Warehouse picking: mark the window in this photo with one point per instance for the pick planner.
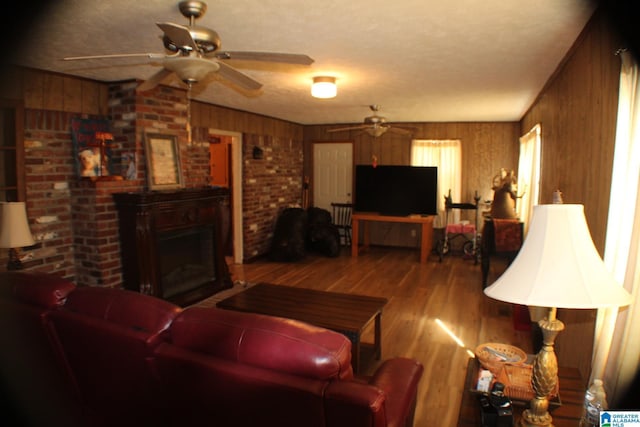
(12, 188)
(528, 174)
(446, 155)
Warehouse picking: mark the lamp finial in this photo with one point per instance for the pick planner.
(557, 197)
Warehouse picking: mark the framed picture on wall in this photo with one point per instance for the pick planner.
(163, 162)
(92, 146)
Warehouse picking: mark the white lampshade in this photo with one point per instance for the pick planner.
(324, 87)
(558, 265)
(14, 227)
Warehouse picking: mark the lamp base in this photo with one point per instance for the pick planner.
(14, 260)
(530, 419)
(544, 374)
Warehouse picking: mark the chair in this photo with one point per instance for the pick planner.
(342, 220)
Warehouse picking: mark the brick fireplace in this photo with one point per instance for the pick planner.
(75, 221)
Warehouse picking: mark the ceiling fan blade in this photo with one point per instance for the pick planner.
(154, 80)
(117, 55)
(349, 128)
(240, 79)
(402, 131)
(286, 58)
(179, 35)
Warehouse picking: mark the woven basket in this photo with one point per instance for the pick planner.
(517, 382)
(494, 363)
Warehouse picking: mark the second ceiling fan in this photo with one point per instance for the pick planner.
(376, 125)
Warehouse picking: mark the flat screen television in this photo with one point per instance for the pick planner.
(396, 190)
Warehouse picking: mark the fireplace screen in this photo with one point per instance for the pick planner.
(186, 260)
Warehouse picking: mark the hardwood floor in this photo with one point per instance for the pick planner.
(418, 295)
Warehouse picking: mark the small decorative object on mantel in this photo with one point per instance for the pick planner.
(129, 165)
(92, 145)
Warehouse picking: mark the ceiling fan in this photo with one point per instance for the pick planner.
(375, 125)
(193, 54)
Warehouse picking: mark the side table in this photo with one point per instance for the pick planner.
(568, 414)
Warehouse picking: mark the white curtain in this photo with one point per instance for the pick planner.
(616, 353)
(528, 175)
(446, 155)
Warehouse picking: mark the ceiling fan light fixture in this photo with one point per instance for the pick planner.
(191, 69)
(376, 131)
(324, 87)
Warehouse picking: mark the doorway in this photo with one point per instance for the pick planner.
(227, 156)
(332, 173)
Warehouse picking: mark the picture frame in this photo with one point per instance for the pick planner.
(92, 148)
(164, 171)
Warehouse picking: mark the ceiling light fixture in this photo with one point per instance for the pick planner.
(376, 130)
(324, 87)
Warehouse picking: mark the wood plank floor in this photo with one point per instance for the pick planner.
(418, 295)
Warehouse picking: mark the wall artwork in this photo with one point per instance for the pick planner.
(163, 162)
(129, 167)
(92, 148)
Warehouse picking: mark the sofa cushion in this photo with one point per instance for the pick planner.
(34, 388)
(264, 341)
(106, 337)
(201, 389)
(121, 307)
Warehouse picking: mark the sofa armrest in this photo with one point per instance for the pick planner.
(388, 398)
(399, 379)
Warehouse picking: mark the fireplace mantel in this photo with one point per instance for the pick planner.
(172, 243)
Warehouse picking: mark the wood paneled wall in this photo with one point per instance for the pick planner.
(577, 111)
(216, 117)
(486, 147)
(55, 92)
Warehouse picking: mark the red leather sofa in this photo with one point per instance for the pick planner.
(87, 356)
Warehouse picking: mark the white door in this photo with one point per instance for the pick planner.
(332, 173)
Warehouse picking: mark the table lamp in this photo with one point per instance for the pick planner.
(14, 232)
(558, 266)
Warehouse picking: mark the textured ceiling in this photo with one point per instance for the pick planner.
(421, 60)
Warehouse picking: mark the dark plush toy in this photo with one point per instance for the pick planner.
(318, 216)
(289, 238)
(322, 236)
(325, 239)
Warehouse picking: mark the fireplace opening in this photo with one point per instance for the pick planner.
(186, 260)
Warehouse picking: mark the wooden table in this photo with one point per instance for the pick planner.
(488, 248)
(426, 235)
(568, 414)
(345, 313)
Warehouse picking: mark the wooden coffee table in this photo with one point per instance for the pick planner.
(345, 313)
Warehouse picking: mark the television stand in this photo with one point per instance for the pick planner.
(426, 235)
